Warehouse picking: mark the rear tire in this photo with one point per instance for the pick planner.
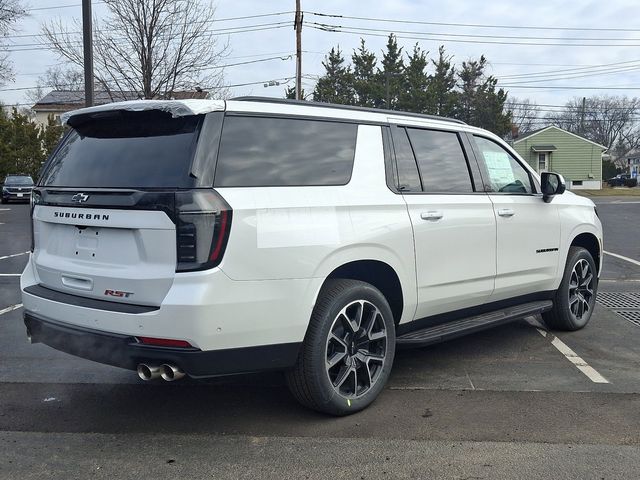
(348, 351)
(575, 299)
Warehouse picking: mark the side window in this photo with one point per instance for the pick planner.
(505, 174)
(273, 152)
(408, 177)
(441, 161)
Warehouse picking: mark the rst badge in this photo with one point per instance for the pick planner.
(80, 198)
(117, 293)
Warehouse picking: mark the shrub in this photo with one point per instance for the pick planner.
(631, 182)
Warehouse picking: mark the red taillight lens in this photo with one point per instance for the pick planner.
(202, 231)
(164, 342)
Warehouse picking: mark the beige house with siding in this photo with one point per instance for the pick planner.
(577, 159)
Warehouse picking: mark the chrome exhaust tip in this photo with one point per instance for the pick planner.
(171, 372)
(148, 372)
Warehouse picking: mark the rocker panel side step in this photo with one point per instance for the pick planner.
(464, 326)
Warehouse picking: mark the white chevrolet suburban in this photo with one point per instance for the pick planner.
(207, 238)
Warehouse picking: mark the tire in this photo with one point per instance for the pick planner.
(340, 369)
(575, 299)
(4, 201)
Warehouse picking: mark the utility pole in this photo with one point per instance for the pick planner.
(298, 26)
(87, 40)
(584, 101)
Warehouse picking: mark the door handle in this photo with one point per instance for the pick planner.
(431, 215)
(506, 212)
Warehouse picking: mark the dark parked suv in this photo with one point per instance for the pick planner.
(17, 187)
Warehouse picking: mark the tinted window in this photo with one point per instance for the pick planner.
(18, 180)
(126, 150)
(257, 151)
(441, 160)
(504, 172)
(408, 178)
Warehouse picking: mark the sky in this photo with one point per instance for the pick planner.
(595, 43)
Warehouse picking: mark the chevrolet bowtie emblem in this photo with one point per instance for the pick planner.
(79, 198)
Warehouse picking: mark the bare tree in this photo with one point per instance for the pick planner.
(153, 47)
(58, 78)
(10, 12)
(608, 120)
(524, 113)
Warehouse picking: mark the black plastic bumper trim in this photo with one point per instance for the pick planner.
(123, 351)
(60, 297)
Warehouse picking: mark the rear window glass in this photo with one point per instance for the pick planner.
(126, 150)
(258, 151)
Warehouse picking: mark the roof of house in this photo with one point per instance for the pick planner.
(543, 129)
(64, 100)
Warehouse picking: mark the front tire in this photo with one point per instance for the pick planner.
(575, 299)
(348, 351)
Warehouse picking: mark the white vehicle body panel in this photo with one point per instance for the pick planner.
(120, 250)
(450, 232)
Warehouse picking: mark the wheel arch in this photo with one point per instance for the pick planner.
(590, 242)
(379, 274)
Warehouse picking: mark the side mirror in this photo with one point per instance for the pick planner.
(552, 185)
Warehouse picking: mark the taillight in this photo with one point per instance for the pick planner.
(204, 223)
(33, 201)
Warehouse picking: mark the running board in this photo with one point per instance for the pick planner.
(446, 331)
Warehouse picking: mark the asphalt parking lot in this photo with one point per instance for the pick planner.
(512, 402)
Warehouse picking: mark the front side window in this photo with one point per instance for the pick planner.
(505, 174)
(441, 161)
(272, 152)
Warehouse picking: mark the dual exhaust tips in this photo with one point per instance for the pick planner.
(167, 371)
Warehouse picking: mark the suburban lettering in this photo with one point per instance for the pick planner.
(83, 216)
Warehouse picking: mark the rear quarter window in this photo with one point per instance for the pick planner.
(262, 151)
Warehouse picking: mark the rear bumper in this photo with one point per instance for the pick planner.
(124, 351)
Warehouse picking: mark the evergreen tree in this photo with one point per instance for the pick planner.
(441, 89)
(479, 103)
(24, 145)
(391, 74)
(414, 95)
(50, 135)
(365, 82)
(336, 85)
(290, 93)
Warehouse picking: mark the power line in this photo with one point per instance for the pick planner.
(16, 89)
(558, 87)
(281, 55)
(474, 25)
(472, 35)
(227, 31)
(56, 7)
(226, 19)
(411, 36)
(584, 75)
(554, 72)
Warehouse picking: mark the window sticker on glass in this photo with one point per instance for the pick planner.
(499, 167)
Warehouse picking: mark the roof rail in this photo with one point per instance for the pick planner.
(306, 103)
